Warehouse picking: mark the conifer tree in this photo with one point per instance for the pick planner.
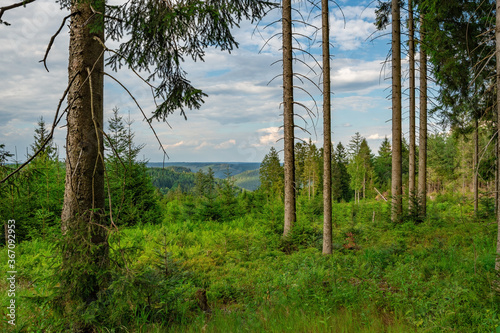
(288, 121)
(152, 37)
(327, 135)
(382, 165)
(133, 198)
(397, 176)
(271, 174)
(341, 190)
(41, 135)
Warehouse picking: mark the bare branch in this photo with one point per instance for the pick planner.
(14, 5)
(137, 103)
(49, 137)
(44, 60)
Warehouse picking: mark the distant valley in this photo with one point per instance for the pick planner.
(172, 174)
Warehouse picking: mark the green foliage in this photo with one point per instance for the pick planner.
(341, 179)
(4, 155)
(360, 166)
(383, 165)
(41, 135)
(156, 37)
(271, 174)
(172, 179)
(428, 277)
(248, 180)
(33, 197)
(442, 160)
(133, 197)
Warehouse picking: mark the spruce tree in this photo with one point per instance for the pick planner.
(341, 190)
(271, 174)
(41, 135)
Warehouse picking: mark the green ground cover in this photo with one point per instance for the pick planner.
(434, 276)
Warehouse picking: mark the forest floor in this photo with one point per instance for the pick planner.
(241, 276)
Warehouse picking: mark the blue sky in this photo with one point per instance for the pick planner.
(240, 119)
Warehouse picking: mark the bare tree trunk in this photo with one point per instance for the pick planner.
(496, 177)
(83, 207)
(364, 186)
(288, 124)
(475, 167)
(411, 45)
(397, 203)
(422, 144)
(497, 34)
(327, 133)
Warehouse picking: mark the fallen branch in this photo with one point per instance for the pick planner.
(380, 194)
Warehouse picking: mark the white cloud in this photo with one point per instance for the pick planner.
(351, 27)
(174, 145)
(241, 116)
(225, 144)
(271, 136)
(377, 136)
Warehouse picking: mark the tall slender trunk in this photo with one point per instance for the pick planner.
(327, 136)
(422, 143)
(86, 248)
(497, 34)
(364, 186)
(411, 45)
(288, 123)
(397, 202)
(496, 178)
(475, 167)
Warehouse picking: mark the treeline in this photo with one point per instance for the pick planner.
(358, 173)
(172, 178)
(34, 196)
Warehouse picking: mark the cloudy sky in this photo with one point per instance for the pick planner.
(240, 120)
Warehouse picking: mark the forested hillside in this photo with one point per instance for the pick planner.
(183, 177)
(220, 170)
(396, 235)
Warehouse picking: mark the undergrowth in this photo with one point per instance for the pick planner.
(241, 276)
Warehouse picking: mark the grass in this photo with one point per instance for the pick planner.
(435, 276)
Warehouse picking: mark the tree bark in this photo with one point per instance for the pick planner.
(422, 143)
(288, 123)
(497, 34)
(496, 178)
(83, 208)
(475, 167)
(411, 55)
(327, 136)
(397, 203)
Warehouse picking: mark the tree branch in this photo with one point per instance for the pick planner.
(44, 60)
(137, 103)
(14, 5)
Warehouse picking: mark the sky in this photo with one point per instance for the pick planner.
(240, 119)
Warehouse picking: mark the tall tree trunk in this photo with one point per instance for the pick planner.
(397, 202)
(364, 186)
(497, 34)
(475, 167)
(327, 130)
(422, 142)
(411, 45)
(86, 249)
(288, 123)
(496, 177)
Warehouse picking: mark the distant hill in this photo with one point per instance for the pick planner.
(246, 175)
(248, 180)
(170, 178)
(219, 169)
